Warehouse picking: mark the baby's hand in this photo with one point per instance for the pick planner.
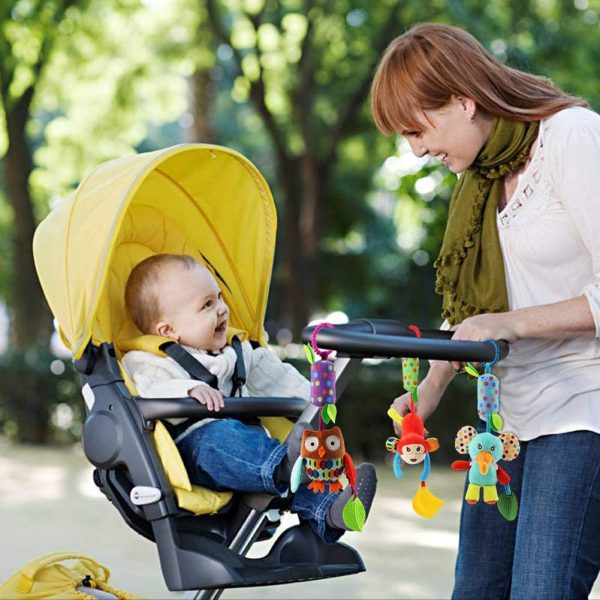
(211, 398)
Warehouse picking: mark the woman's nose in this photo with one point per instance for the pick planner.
(417, 147)
(420, 151)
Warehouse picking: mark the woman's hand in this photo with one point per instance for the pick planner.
(208, 396)
(494, 326)
(429, 398)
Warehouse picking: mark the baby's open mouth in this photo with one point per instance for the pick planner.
(221, 328)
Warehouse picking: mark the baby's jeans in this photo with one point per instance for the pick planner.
(552, 549)
(226, 454)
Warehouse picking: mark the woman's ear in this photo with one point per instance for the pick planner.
(165, 330)
(468, 105)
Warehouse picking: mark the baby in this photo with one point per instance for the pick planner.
(174, 296)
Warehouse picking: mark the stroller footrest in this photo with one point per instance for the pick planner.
(297, 555)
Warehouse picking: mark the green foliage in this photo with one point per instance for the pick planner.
(117, 70)
(116, 79)
(31, 394)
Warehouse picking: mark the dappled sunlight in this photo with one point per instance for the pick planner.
(31, 475)
(20, 483)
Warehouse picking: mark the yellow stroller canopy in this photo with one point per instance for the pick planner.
(206, 201)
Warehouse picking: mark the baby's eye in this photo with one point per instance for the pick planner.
(207, 304)
(413, 134)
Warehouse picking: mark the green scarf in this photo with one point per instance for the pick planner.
(470, 270)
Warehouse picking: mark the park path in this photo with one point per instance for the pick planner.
(48, 502)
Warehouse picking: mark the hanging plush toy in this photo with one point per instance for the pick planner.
(486, 449)
(322, 379)
(323, 458)
(412, 448)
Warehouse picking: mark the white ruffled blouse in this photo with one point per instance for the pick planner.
(550, 239)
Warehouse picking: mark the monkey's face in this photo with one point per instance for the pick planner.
(413, 453)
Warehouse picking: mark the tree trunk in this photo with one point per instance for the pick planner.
(31, 321)
(303, 185)
(203, 92)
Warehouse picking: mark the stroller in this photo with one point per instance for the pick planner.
(213, 204)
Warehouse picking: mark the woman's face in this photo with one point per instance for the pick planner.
(454, 133)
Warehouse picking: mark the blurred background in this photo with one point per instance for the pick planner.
(286, 83)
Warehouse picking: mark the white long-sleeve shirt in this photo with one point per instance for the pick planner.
(161, 377)
(550, 239)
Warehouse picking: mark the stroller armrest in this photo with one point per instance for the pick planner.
(163, 408)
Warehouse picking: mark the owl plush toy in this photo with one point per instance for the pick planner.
(323, 458)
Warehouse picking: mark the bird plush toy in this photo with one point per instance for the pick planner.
(323, 458)
(485, 450)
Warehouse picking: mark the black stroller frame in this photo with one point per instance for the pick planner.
(207, 554)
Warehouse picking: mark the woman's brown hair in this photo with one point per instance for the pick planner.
(423, 68)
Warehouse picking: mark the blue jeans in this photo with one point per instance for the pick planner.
(226, 454)
(552, 549)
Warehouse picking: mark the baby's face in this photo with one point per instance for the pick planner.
(193, 309)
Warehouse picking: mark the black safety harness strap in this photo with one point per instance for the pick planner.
(198, 371)
(239, 372)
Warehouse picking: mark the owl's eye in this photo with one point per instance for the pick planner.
(492, 448)
(311, 443)
(479, 447)
(333, 442)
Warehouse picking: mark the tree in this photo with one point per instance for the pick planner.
(27, 38)
(306, 67)
(61, 120)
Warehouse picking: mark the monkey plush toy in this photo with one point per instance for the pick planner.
(412, 448)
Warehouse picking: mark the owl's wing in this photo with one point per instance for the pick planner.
(296, 475)
(350, 470)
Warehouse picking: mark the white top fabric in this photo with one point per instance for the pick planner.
(550, 239)
(161, 377)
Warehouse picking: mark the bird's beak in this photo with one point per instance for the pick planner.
(321, 451)
(485, 459)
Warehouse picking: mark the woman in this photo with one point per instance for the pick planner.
(520, 261)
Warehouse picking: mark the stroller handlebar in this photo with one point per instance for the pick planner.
(164, 408)
(367, 338)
